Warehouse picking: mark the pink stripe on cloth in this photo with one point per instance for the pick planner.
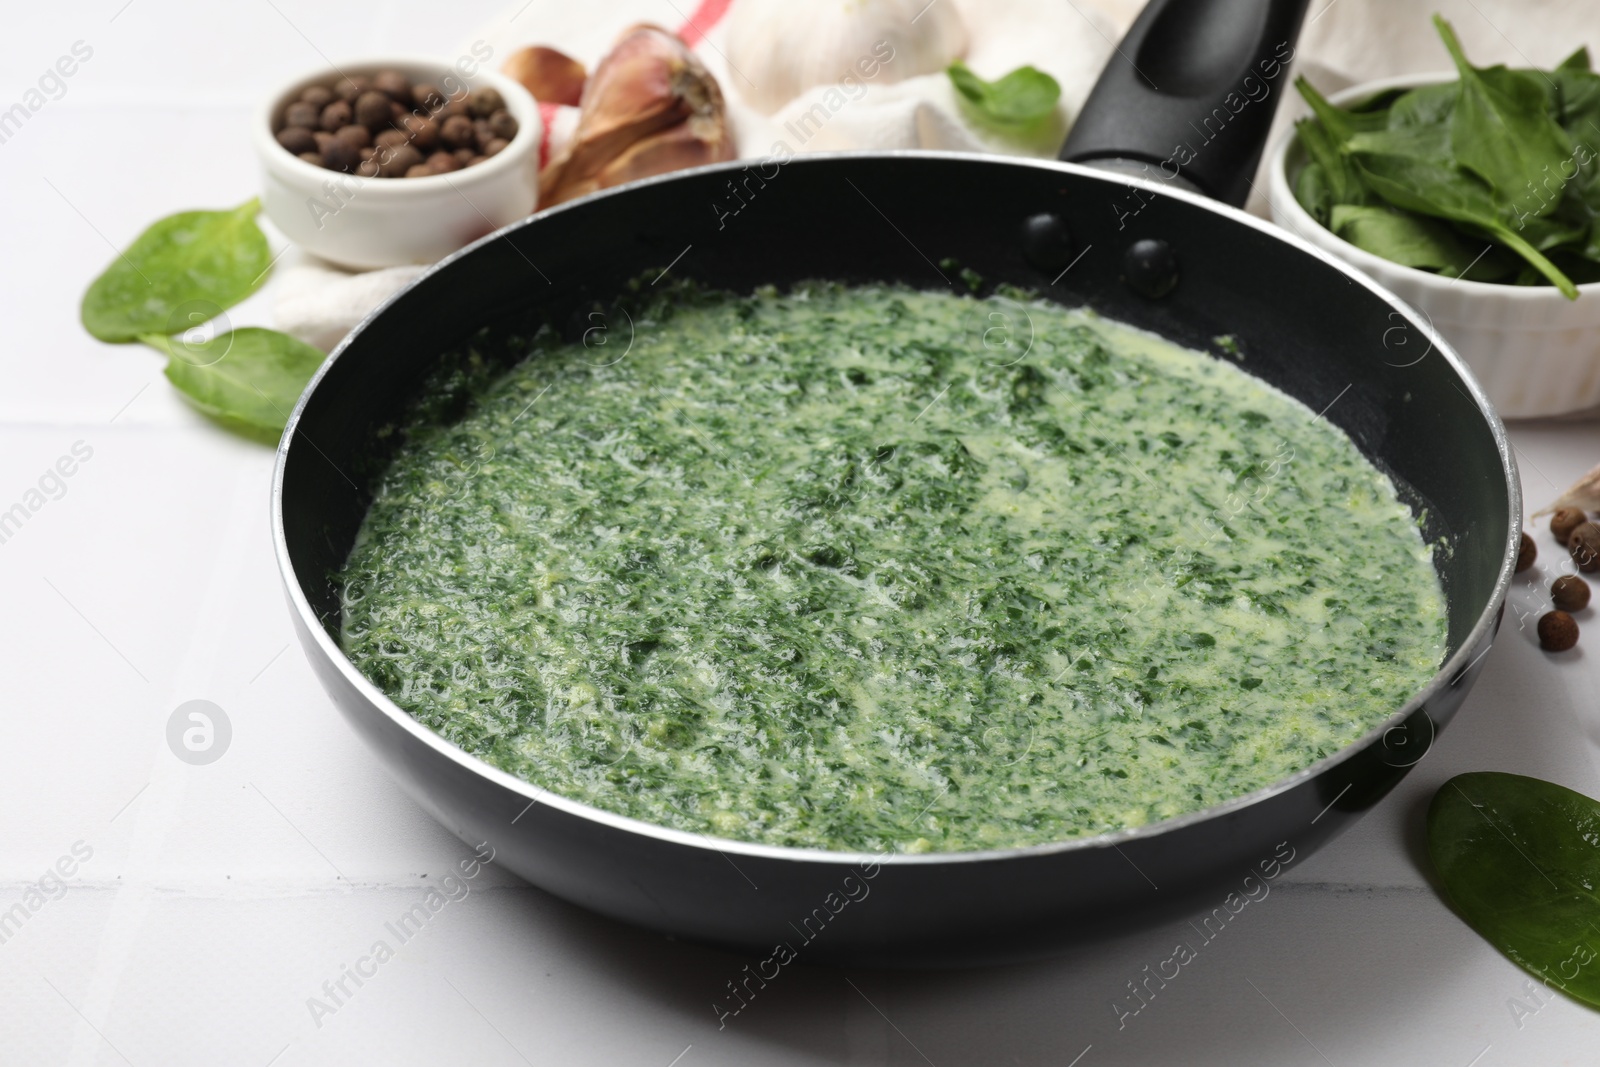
(703, 21)
(547, 115)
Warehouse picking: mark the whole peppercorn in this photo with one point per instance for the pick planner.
(421, 170)
(335, 115)
(1564, 521)
(301, 113)
(297, 139)
(390, 139)
(481, 133)
(495, 146)
(354, 136)
(1558, 631)
(365, 153)
(368, 168)
(323, 138)
(457, 132)
(1570, 593)
(318, 96)
(398, 162)
(427, 96)
(464, 155)
(502, 125)
(1526, 553)
(372, 109)
(475, 160)
(340, 155)
(453, 106)
(347, 89)
(485, 102)
(312, 158)
(394, 85)
(443, 162)
(424, 133)
(1584, 544)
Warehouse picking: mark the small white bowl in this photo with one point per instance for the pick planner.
(389, 222)
(1535, 352)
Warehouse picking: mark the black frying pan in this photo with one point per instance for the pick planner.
(1147, 254)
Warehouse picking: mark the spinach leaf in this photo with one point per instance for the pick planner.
(216, 258)
(1431, 188)
(1341, 123)
(1502, 131)
(1018, 99)
(1313, 191)
(1342, 180)
(250, 378)
(1415, 241)
(1517, 859)
(1578, 60)
(1428, 105)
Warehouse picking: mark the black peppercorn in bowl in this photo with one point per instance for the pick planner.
(397, 161)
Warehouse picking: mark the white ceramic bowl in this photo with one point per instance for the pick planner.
(1535, 352)
(387, 222)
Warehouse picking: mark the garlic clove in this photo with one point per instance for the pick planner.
(1583, 495)
(693, 143)
(552, 77)
(650, 107)
(784, 48)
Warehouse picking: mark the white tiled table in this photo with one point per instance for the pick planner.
(218, 899)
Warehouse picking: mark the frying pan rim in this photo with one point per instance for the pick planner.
(1454, 668)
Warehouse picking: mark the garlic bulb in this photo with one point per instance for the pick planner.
(780, 48)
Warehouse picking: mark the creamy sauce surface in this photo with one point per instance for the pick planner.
(862, 568)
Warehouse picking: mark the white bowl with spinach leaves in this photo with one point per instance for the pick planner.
(1435, 200)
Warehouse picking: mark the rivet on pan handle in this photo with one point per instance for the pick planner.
(1190, 93)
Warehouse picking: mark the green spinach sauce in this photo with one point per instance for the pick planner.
(847, 568)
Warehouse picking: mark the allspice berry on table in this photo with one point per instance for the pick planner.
(1526, 554)
(1569, 593)
(1564, 521)
(1584, 544)
(1558, 631)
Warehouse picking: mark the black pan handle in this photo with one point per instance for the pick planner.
(1190, 93)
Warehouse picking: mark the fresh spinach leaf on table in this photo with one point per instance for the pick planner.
(1517, 859)
(250, 378)
(212, 258)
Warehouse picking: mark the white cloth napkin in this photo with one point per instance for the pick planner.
(1343, 42)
